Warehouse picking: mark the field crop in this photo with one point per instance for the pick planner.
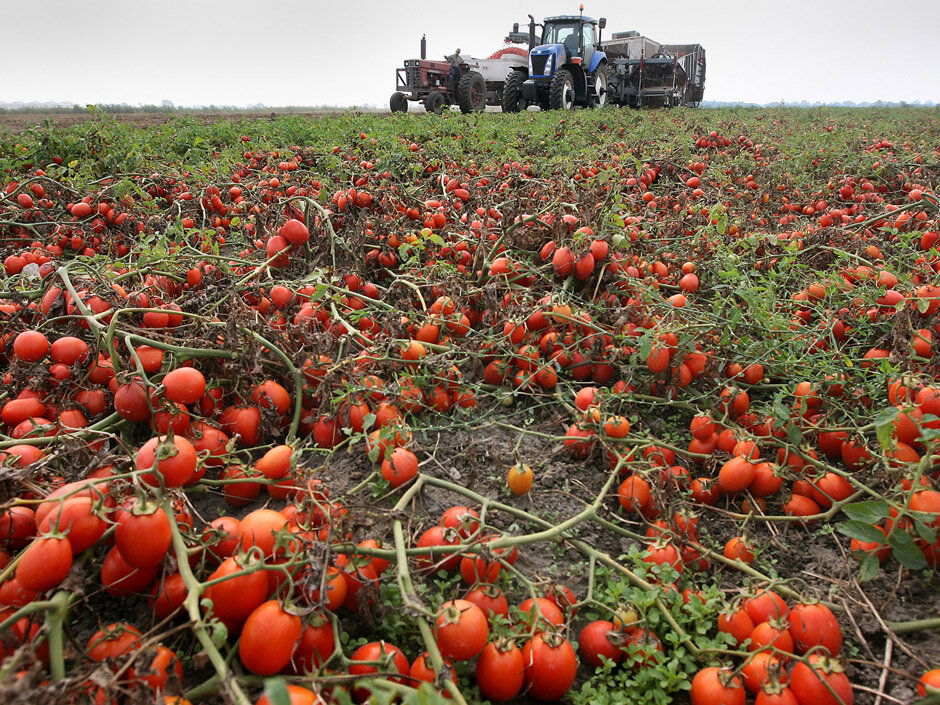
(601, 407)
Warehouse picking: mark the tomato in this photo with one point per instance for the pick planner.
(44, 563)
(539, 613)
(550, 666)
(167, 595)
(765, 605)
(634, 494)
(519, 479)
(737, 623)
(30, 346)
(222, 537)
(275, 463)
(464, 520)
(297, 695)
(422, 670)
(736, 475)
(929, 683)
(317, 644)
(490, 599)
(814, 624)
(461, 630)
(259, 528)
(767, 634)
(143, 537)
(112, 642)
(165, 668)
(131, 402)
(121, 578)
(438, 536)
(268, 638)
(739, 548)
(391, 660)
(759, 668)
(716, 686)
(236, 596)
(500, 670)
(820, 682)
(595, 645)
(18, 526)
(775, 694)
(400, 467)
(173, 460)
(69, 350)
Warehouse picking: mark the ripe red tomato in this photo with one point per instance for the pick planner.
(77, 517)
(716, 686)
(822, 682)
(176, 465)
(44, 563)
(30, 346)
(814, 624)
(461, 630)
(540, 612)
(391, 657)
(400, 467)
(500, 671)
(929, 683)
(268, 638)
(317, 644)
(121, 578)
(550, 666)
(184, 385)
(595, 645)
(490, 599)
(237, 595)
(144, 537)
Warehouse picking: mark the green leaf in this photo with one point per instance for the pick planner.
(926, 532)
(276, 691)
(906, 552)
(870, 512)
(862, 531)
(868, 568)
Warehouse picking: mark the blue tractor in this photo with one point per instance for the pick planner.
(567, 68)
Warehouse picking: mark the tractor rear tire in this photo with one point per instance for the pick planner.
(434, 103)
(513, 100)
(471, 92)
(561, 94)
(398, 103)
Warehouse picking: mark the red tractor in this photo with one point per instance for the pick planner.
(480, 83)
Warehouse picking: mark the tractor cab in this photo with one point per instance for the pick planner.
(568, 67)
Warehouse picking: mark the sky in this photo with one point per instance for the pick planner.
(314, 52)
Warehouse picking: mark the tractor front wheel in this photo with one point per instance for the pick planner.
(398, 103)
(561, 94)
(471, 92)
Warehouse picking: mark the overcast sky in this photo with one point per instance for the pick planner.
(313, 52)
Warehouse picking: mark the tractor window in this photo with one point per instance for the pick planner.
(557, 33)
(588, 35)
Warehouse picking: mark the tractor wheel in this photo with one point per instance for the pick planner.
(434, 103)
(598, 96)
(561, 93)
(513, 101)
(398, 102)
(471, 92)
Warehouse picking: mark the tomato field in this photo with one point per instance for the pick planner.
(604, 406)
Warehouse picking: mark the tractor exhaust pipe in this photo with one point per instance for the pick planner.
(531, 32)
(424, 47)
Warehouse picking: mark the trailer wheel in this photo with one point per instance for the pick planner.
(598, 97)
(434, 103)
(398, 103)
(471, 92)
(513, 100)
(561, 94)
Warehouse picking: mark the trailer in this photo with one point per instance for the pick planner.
(572, 65)
(481, 81)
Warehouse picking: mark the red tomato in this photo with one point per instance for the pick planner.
(391, 657)
(822, 682)
(814, 625)
(500, 670)
(716, 686)
(461, 630)
(237, 595)
(400, 467)
(142, 538)
(268, 638)
(175, 468)
(184, 385)
(44, 563)
(595, 645)
(550, 666)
